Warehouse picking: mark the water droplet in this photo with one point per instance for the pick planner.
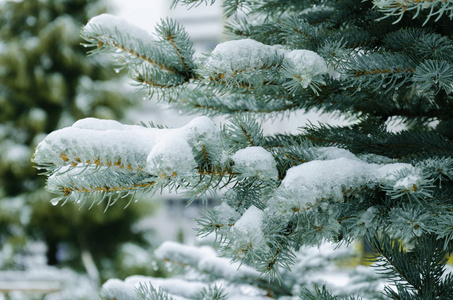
(359, 89)
(55, 201)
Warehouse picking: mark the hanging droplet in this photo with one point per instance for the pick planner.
(55, 201)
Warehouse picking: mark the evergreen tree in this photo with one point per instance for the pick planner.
(380, 63)
(46, 82)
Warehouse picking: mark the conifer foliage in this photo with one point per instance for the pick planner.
(46, 82)
(379, 62)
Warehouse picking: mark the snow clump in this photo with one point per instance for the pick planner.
(90, 144)
(232, 57)
(226, 214)
(110, 143)
(171, 155)
(255, 161)
(107, 25)
(305, 65)
(204, 259)
(117, 289)
(247, 230)
(310, 184)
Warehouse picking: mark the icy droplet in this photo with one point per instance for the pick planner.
(55, 201)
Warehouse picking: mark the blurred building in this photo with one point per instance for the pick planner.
(204, 23)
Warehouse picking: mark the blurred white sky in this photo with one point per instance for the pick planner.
(143, 13)
(203, 23)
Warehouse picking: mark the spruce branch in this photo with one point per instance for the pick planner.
(418, 273)
(191, 3)
(381, 71)
(202, 100)
(137, 55)
(269, 34)
(322, 294)
(405, 144)
(107, 39)
(178, 38)
(434, 74)
(244, 131)
(394, 8)
(147, 292)
(208, 263)
(151, 63)
(213, 292)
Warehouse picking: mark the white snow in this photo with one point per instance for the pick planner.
(231, 57)
(317, 179)
(306, 65)
(134, 255)
(312, 182)
(326, 153)
(402, 4)
(226, 214)
(118, 290)
(255, 161)
(180, 287)
(100, 125)
(183, 254)
(237, 55)
(223, 268)
(113, 25)
(170, 155)
(91, 143)
(205, 259)
(112, 142)
(248, 228)
(406, 183)
(201, 132)
(101, 139)
(400, 176)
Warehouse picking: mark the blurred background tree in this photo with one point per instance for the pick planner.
(47, 82)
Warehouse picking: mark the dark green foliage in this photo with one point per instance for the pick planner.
(418, 272)
(322, 294)
(381, 64)
(46, 82)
